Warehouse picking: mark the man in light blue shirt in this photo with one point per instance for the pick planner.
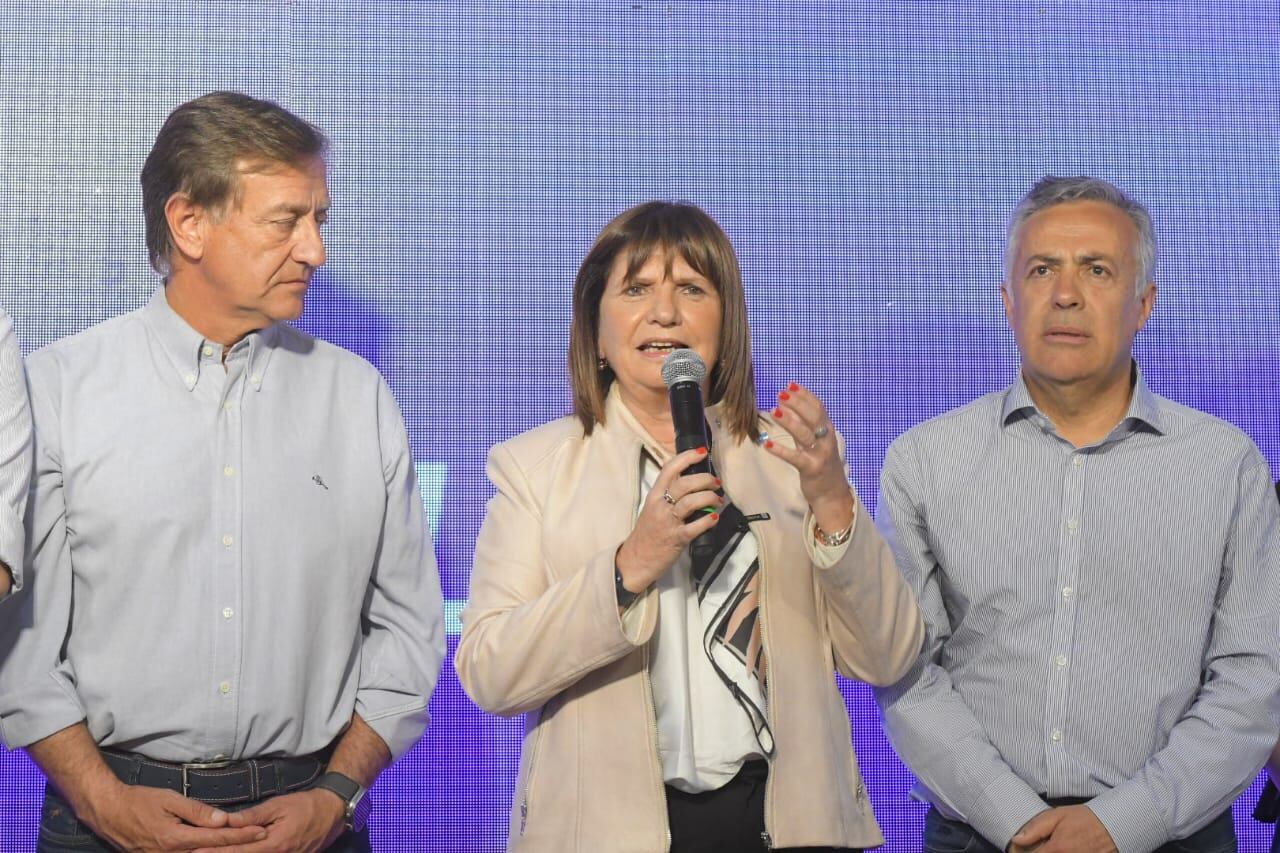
(1099, 570)
(233, 619)
(15, 457)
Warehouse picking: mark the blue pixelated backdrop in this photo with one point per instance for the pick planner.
(861, 156)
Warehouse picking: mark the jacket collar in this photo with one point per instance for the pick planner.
(623, 425)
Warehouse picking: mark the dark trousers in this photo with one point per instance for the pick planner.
(61, 832)
(726, 820)
(951, 836)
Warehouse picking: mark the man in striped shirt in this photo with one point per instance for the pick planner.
(15, 456)
(1099, 570)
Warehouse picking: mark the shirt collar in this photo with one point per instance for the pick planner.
(184, 346)
(1144, 407)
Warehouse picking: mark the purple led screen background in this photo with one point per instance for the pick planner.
(863, 158)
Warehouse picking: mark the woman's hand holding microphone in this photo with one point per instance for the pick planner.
(662, 529)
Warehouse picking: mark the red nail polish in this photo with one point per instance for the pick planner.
(783, 395)
(793, 387)
(768, 444)
(777, 413)
(702, 450)
(717, 481)
(715, 516)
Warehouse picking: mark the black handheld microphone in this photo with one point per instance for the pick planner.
(683, 373)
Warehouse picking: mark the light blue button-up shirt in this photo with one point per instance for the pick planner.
(1103, 622)
(223, 562)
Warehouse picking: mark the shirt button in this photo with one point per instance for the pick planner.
(227, 613)
(255, 379)
(1067, 592)
(227, 540)
(1060, 660)
(1077, 460)
(190, 379)
(1056, 735)
(228, 471)
(228, 405)
(208, 350)
(1073, 524)
(224, 688)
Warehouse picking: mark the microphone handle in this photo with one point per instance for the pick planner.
(691, 433)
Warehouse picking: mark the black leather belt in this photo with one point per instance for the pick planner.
(1059, 802)
(218, 782)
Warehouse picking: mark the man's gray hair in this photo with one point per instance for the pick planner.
(1052, 190)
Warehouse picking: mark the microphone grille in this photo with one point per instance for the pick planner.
(684, 365)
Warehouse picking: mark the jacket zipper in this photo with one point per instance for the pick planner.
(766, 836)
(528, 780)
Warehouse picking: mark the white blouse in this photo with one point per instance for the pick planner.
(704, 735)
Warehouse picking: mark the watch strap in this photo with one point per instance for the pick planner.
(356, 812)
(625, 597)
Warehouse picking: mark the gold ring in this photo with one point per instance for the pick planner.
(666, 496)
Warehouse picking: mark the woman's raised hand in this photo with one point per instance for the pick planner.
(816, 456)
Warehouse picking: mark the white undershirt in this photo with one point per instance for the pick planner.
(704, 735)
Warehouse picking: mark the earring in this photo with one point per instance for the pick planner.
(601, 363)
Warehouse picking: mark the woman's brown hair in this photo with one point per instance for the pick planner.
(675, 229)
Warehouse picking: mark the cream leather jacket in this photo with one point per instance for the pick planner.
(542, 635)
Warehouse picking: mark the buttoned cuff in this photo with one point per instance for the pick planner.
(1003, 808)
(400, 726)
(1131, 817)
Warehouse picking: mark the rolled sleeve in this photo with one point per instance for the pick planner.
(15, 452)
(403, 643)
(37, 684)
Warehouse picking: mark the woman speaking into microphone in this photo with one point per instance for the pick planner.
(679, 698)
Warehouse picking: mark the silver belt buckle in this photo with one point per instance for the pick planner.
(199, 765)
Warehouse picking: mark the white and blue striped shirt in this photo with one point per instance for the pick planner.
(1102, 621)
(15, 449)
